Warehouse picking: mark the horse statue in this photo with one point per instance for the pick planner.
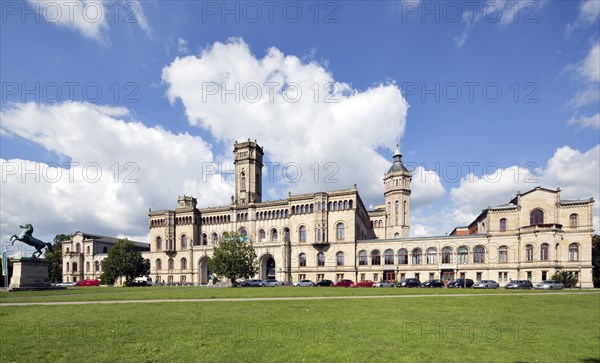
(26, 237)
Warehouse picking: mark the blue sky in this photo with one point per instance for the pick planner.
(507, 90)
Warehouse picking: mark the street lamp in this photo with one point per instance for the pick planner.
(579, 277)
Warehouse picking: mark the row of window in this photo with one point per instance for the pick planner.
(339, 259)
(537, 217)
(97, 266)
(171, 264)
(273, 236)
(178, 221)
(171, 245)
(87, 249)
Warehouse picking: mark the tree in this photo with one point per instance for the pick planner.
(54, 258)
(124, 260)
(596, 257)
(233, 258)
(567, 278)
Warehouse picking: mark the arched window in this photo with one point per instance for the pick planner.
(503, 225)
(350, 204)
(503, 254)
(302, 233)
(171, 263)
(67, 249)
(340, 231)
(243, 182)
(104, 250)
(87, 266)
(403, 256)
(529, 253)
(184, 242)
(158, 243)
(74, 266)
(536, 217)
(204, 239)
(544, 252)
(78, 248)
(478, 254)
(396, 235)
(417, 256)
(362, 258)
(183, 263)
(261, 235)
(573, 220)
(67, 267)
(375, 257)
(339, 258)
(345, 204)
(431, 256)
(388, 257)
(446, 255)
(319, 235)
(320, 259)
(87, 250)
(463, 254)
(302, 260)
(573, 252)
(273, 235)
(158, 264)
(302, 211)
(243, 233)
(97, 266)
(215, 238)
(329, 206)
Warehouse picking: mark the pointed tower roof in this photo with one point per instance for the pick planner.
(397, 164)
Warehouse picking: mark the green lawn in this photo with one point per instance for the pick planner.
(503, 328)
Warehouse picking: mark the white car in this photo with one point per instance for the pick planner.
(549, 285)
(486, 284)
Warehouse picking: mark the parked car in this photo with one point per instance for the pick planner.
(486, 284)
(433, 283)
(410, 283)
(140, 281)
(251, 283)
(342, 283)
(384, 284)
(364, 283)
(597, 284)
(325, 283)
(64, 284)
(460, 283)
(88, 282)
(549, 285)
(305, 283)
(271, 283)
(519, 284)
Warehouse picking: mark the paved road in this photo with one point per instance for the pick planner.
(288, 298)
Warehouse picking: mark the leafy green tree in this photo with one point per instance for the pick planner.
(596, 256)
(124, 260)
(567, 278)
(234, 258)
(54, 258)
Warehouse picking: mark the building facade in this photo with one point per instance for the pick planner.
(331, 235)
(84, 253)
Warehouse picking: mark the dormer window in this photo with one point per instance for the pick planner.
(536, 217)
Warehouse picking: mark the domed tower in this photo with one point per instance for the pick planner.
(397, 198)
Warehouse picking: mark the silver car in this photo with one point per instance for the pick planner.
(271, 282)
(486, 284)
(549, 285)
(305, 283)
(384, 284)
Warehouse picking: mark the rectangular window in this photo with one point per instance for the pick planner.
(529, 275)
(340, 259)
(506, 276)
(362, 277)
(170, 279)
(502, 255)
(462, 275)
(402, 277)
(320, 277)
(182, 278)
(478, 276)
(417, 276)
(375, 277)
(500, 276)
(544, 275)
(301, 277)
(339, 277)
(431, 275)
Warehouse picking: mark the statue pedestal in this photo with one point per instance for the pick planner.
(30, 274)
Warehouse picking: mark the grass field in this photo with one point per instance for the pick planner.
(501, 328)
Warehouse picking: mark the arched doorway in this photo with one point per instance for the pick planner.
(267, 267)
(204, 271)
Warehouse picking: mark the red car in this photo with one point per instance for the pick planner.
(342, 283)
(365, 283)
(95, 282)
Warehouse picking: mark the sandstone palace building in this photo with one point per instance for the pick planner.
(332, 235)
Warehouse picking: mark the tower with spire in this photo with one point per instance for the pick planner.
(397, 198)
